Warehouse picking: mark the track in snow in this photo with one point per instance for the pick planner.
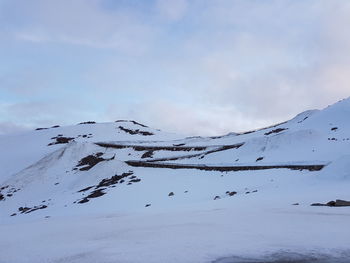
(310, 167)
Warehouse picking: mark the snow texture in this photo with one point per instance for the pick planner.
(99, 192)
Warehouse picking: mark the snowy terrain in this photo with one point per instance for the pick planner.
(124, 192)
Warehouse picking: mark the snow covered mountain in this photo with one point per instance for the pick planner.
(124, 192)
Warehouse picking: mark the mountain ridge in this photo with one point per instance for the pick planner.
(127, 172)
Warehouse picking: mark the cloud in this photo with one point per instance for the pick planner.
(183, 118)
(10, 128)
(80, 23)
(47, 113)
(172, 10)
(273, 59)
(200, 66)
(27, 81)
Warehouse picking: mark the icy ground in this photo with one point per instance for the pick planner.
(101, 193)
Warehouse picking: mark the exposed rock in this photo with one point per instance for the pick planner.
(318, 204)
(259, 159)
(134, 122)
(135, 180)
(85, 189)
(276, 131)
(158, 163)
(165, 148)
(140, 124)
(94, 194)
(23, 209)
(332, 139)
(137, 131)
(147, 154)
(231, 193)
(336, 203)
(84, 200)
(171, 194)
(247, 132)
(113, 180)
(90, 161)
(61, 140)
(179, 144)
(104, 184)
(217, 197)
(339, 202)
(331, 203)
(303, 120)
(147, 205)
(4, 187)
(87, 122)
(27, 210)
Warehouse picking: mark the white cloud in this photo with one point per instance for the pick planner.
(28, 81)
(83, 23)
(172, 10)
(10, 128)
(182, 118)
(46, 113)
(273, 59)
(199, 66)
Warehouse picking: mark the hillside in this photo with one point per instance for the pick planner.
(124, 192)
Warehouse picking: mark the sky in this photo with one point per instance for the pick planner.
(196, 67)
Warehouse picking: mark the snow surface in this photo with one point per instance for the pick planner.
(138, 220)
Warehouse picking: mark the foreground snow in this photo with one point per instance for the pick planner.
(193, 235)
(173, 230)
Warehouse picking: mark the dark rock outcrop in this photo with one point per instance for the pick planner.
(276, 131)
(61, 140)
(27, 210)
(336, 203)
(231, 193)
(91, 160)
(147, 154)
(87, 122)
(137, 131)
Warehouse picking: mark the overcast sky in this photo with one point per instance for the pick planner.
(201, 67)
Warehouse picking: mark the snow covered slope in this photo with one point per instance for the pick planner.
(132, 187)
(21, 150)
